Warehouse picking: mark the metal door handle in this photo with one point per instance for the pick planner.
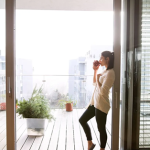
(9, 88)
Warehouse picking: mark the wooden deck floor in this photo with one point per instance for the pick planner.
(65, 133)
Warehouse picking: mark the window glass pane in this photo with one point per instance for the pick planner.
(47, 47)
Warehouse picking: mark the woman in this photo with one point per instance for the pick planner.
(99, 104)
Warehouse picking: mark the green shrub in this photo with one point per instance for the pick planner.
(36, 107)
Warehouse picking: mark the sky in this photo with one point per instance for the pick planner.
(51, 38)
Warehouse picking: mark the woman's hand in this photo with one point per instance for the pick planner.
(95, 67)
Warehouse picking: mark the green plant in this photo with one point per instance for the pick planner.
(63, 102)
(36, 107)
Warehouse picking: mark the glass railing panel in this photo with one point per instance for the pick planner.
(79, 88)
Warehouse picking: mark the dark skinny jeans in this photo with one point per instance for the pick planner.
(101, 117)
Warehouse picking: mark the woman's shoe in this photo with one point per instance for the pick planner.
(92, 147)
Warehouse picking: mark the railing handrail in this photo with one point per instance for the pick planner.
(49, 75)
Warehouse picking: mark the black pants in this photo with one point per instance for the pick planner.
(101, 117)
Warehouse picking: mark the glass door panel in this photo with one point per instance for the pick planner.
(144, 137)
(59, 54)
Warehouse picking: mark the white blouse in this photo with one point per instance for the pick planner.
(100, 97)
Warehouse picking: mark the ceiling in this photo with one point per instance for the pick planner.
(81, 5)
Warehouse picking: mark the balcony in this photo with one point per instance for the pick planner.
(64, 133)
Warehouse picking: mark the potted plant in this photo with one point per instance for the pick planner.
(36, 110)
(67, 103)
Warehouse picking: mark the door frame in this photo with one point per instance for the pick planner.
(117, 64)
(10, 75)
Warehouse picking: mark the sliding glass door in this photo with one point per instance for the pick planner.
(135, 103)
(16, 68)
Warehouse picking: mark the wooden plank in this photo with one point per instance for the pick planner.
(83, 136)
(2, 113)
(2, 128)
(3, 121)
(22, 140)
(2, 135)
(109, 116)
(77, 135)
(70, 138)
(65, 129)
(47, 136)
(55, 133)
(28, 143)
(94, 126)
(37, 142)
(97, 134)
(20, 131)
(42, 141)
(22, 136)
(94, 137)
(108, 128)
(3, 141)
(2, 118)
(62, 134)
(108, 134)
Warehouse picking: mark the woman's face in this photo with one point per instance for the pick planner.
(104, 61)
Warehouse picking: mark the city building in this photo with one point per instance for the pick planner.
(81, 74)
(77, 80)
(24, 79)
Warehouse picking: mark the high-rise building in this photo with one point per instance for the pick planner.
(77, 80)
(81, 74)
(24, 79)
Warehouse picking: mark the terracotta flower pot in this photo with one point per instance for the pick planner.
(69, 106)
(3, 106)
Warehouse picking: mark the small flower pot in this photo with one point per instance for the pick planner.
(69, 106)
(3, 106)
(35, 126)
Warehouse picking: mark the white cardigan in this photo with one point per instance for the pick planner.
(100, 97)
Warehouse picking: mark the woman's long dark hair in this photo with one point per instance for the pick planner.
(111, 58)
